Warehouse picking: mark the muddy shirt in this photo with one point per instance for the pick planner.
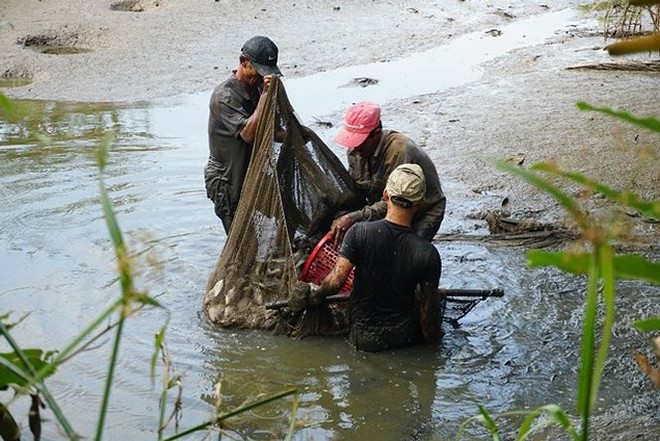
(390, 262)
(371, 176)
(230, 107)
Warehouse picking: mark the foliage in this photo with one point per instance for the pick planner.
(25, 370)
(594, 257)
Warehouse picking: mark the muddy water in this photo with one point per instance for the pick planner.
(57, 264)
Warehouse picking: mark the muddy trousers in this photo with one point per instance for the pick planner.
(218, 190)
(381, 338)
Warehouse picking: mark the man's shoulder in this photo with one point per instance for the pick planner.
(397, 139)
(421, 245)
(230, 87)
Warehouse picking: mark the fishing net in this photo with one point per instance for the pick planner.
(293, 187)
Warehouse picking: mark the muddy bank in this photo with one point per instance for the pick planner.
(143, 49)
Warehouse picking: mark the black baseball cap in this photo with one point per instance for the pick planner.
(262, 52)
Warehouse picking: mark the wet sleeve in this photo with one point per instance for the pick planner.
(433, 268)
(350, 248)
(231, 112)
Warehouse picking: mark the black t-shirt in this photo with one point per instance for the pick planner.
(390, 262)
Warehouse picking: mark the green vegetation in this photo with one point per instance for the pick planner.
(595, 257)
(25, 370)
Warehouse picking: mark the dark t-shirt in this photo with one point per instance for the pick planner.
(390, 262)
(230, 107)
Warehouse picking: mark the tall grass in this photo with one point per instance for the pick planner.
(595, 257)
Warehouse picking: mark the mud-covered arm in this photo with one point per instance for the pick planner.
(333, 282)
(371, 212)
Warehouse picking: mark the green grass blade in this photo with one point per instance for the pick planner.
(158, 343)
(624, 198)
(649, 123)
(526, 427)
(648, 325)
(232, 413)
(294, 412)
(606, 262)
(109, 379)
(539, 182)
(588, 345)
(110, 219)
(490, 423)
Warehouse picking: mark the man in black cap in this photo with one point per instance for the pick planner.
(235, 108)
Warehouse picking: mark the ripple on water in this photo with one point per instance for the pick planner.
(61, 218)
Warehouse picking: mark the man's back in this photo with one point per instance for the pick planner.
(390, 262)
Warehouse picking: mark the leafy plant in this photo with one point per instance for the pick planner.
(594, 257)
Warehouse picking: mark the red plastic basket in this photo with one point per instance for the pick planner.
(321, 261)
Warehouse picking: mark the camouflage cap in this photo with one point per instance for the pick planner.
(407, 184)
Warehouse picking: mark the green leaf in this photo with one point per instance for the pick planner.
(608, 289)
(648, 325)
(6, 104)
(637, 267)
(627, 266)
(586, 371)
(570, 262)
(649, 123)
(557, 416)
(37, 357)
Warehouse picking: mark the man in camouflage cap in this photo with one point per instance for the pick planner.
(391, 263)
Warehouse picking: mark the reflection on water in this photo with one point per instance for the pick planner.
(517, 352)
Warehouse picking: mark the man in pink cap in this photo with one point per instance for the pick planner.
(373, 153)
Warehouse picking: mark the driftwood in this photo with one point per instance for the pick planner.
(629, 66)
(506, 231)
(537, 239)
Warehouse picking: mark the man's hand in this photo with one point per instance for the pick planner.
(299, 297)
(305, 295)
(316, 295)
(339, 227)
(266, 85)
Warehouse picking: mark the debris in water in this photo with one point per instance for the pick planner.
(362, 82)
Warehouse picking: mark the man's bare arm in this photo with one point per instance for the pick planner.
(250, 130)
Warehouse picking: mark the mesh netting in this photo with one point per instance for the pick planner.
(292, 189)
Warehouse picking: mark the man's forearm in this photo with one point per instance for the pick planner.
(371, 212)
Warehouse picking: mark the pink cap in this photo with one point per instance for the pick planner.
(361, 118)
